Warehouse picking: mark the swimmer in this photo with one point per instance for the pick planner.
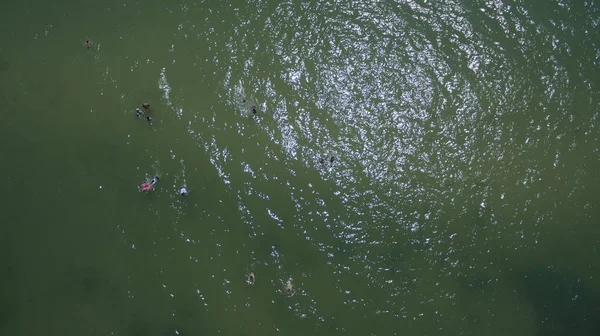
(288, 286)
(148, 185)
(254, 109)
(149, 118)
(251, 278)
(183, 191)
(138, 112)
(88, 44)
(322, 161)
(332, 159)
(146, 105)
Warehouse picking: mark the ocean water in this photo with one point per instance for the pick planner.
(413, 167)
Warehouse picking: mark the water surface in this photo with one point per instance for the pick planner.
(457, 194)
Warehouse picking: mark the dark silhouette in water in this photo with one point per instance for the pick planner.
(332, 159)
(88, 44)
(146, 105)
(566, 300)
(254, 109)
(321, 161)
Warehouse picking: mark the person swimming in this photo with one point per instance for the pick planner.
(183, 191)
(148, 185)
(138, 112)
(251, 278)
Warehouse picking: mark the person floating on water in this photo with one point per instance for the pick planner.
(148, 185)
(183, 191)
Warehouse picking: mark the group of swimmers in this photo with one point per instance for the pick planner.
(148, 185)
(286, 287)
(138, 112)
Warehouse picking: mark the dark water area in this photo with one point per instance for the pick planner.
(402, 167)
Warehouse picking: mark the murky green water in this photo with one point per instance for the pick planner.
(462, 198)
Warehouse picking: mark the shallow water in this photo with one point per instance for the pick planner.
(457, 195)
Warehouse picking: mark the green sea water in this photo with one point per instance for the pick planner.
(458, 193)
